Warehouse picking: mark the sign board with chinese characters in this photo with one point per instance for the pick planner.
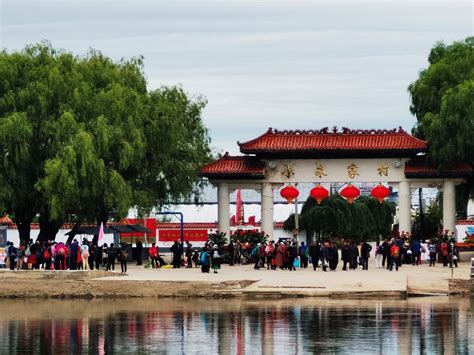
(193, 235)
(384, 170)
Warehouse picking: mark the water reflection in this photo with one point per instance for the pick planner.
(437, 325)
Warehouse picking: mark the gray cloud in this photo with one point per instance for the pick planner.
(284, 64)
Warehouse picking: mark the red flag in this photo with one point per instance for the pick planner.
(239, 209)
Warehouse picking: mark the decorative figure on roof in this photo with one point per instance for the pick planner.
(288, 171)
(352, 170)
(383, 169)
(319, 172)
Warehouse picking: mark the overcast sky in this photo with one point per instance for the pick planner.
(283, 64)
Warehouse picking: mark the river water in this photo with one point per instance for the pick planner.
(294, 326)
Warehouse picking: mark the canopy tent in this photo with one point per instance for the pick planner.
(119, 229)
(139, 228)
(123, 229)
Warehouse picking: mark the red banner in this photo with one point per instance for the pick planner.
(193, 235)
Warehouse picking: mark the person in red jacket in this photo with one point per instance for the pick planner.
(394, 256)
(153, 254)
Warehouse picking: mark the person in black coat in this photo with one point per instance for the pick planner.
(333, 256)
(353, 255)
(292, 255)
(111, 257)
(365, 249)
(345, 254)
(385, 253)
(177, 251)
(189, 254)
(139, 249)
(314, 254)
(231, 251)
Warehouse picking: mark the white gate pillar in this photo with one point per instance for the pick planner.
(449, 206)
(404, 207)
(223, 209)
(267, 209)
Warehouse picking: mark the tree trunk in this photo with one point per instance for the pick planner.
(24, 227)
(48, 229)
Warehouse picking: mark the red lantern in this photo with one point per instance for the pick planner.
(380, 192)
(350, 193)
(319, 193)
(289, 193)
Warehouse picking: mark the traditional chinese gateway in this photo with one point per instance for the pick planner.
(278, 158)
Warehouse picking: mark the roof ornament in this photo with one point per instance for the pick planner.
(335, 130)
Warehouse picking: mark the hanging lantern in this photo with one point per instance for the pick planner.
(289, 193)
(319, 193)
(380, 192)
(350, 193)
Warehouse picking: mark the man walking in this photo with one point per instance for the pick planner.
(365, 249)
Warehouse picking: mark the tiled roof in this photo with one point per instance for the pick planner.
(5, 220)
(418, 168)
(465, 222)
(235, 167)
(335, 143)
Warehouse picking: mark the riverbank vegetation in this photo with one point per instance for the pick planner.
(83, 139)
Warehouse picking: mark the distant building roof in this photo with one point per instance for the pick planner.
(418, 167)
(235, 167)
(325, 143)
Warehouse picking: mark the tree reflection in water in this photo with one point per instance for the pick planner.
(435, 325)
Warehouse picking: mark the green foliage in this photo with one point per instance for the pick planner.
(365, 219)
(218, 238)
(83, 139)
(431, 221)
(249, 236)
(442, 99)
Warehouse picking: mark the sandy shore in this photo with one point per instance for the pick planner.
(237, 281)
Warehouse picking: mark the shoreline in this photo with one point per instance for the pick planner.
(234, 282)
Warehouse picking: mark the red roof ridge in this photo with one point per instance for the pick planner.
(334, 130)
(326, 139)
(269, 131)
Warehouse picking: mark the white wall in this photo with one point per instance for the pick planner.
(13, 236)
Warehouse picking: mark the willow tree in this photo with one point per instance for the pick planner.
(84, 140)
(442, 100)
(365, 219)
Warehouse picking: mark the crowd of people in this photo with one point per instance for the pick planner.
(50, 255)
(390, 253)
(284, 255)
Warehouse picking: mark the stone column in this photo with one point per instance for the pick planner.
(449, 206)
(267, 209)
(404, 207)
(223, 212)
